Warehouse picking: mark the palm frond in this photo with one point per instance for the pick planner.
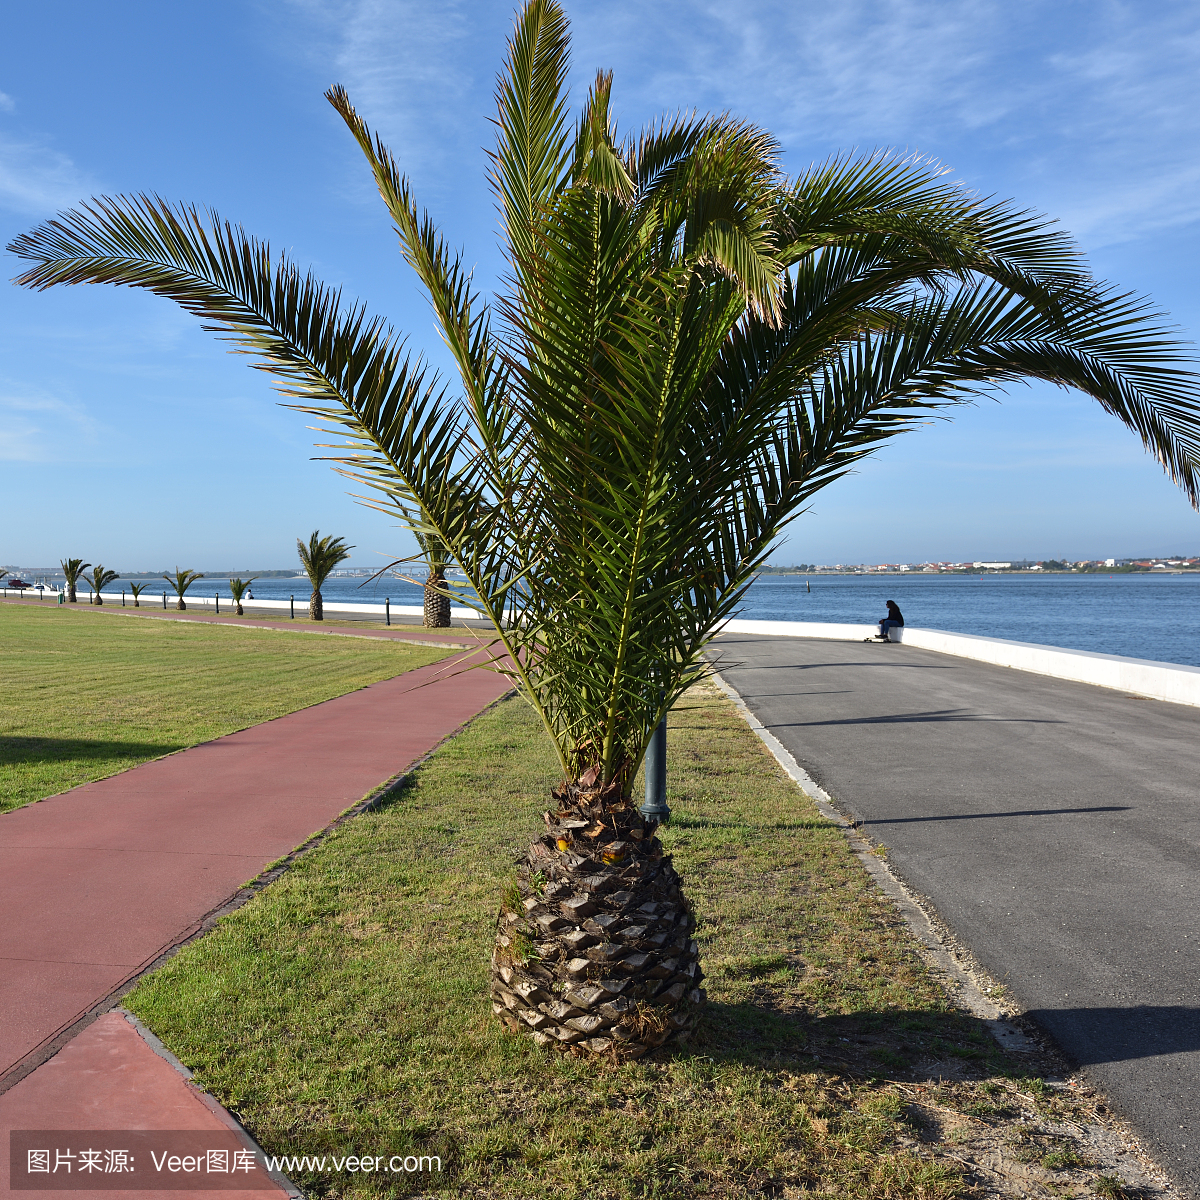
(532, 152)
(320, 555)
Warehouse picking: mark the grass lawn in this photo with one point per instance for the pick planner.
(346, 1007)
(87, 694)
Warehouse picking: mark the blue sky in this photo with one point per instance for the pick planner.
(129, 436)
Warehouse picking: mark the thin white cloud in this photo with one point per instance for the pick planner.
(36, 180)
(411, 71)
(1086, 108)
(1083, 109)
(7, 103)
(42, 428)
(819, 77)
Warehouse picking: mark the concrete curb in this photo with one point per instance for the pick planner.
(218, 1110)
(1172, 682)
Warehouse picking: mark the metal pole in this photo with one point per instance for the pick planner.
(122, 597)
(217, 598)
(164, 601)
(655, 765)
(293, 608)
(387, 610)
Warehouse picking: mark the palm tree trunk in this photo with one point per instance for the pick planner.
(71, 598)
(136, 603)
(98, 599)
(240, 613)
(316, 607)
(437, 607)
(594, 946)
(181, 606)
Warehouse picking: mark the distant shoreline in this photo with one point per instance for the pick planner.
(959, 572)
(772, 571)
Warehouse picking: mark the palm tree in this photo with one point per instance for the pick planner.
(435, 594)
(101, 579)
(137, 589)
(73, 568)
(689, 346)
(238, 589)
(181, 581)
(318, 558)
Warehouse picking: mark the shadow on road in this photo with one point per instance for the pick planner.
(1018, 812)
(934, 715)
(789, 695)
(1109, 1035)
(723, 664)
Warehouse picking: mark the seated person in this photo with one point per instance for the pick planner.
(894, 619)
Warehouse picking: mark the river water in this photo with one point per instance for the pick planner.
(1140, 616)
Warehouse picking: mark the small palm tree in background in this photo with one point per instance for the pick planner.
(436, 597)
(688, 347)
(436, 557)
(73, 568)
(137, 589)
(238, 589)
(101, 578)
(181, 581)
(319, 558)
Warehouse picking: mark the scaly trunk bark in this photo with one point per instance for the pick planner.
(239, 609)
(181, 606)
(437, 607)
(71, 598)
(316, 607)
(135, 603)
(594, 949)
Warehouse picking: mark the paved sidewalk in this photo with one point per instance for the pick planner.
(1054, 825)
(97, 883)
(114, 1076)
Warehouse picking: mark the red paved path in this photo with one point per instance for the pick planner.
(109, 1078)
(96, 883)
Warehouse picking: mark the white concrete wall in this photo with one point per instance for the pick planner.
(813, 629)
(1134, 676)
(198, 602)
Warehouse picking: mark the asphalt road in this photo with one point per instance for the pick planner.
(1054, 825)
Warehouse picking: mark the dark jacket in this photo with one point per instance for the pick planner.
(894, 613)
